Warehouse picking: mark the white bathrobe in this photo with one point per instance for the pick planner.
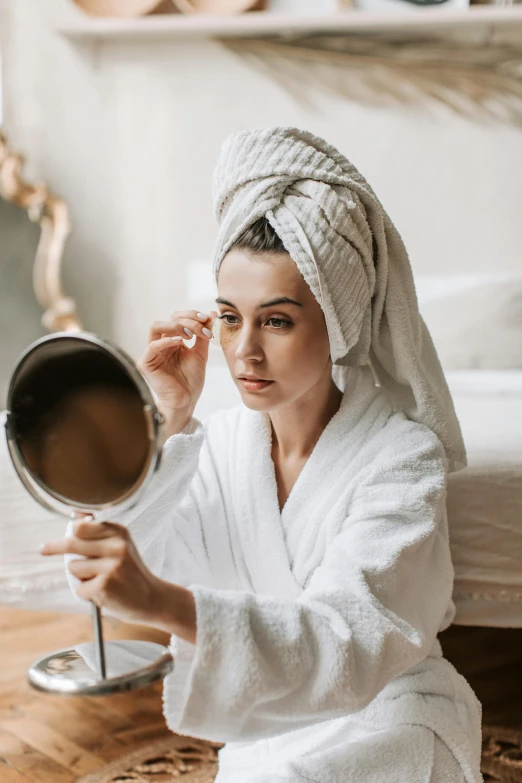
(317, 656)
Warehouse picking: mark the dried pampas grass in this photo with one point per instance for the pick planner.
(475, 80)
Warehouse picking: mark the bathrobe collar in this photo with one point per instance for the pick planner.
(263, 528)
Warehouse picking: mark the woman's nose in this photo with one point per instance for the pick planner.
(247, 345)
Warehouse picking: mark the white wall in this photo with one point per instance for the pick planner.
(129, 134)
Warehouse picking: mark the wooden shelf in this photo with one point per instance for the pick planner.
(252, 24)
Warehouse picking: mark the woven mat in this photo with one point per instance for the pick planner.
(502, 754)
(163, 761)
(195, 761)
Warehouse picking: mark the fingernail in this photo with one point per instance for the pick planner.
(187, 331)
(203, 316)
(41, 547)
(207, 332)
(176, 338)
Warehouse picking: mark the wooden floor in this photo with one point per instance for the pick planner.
(491, 660)
(56, 739)
(52, 739)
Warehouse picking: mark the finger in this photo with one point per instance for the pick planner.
(73, 546)
(90, 568)
(193, 314)
(201, 347)
(188, 327)
(183, 327)
(160, 328)
(159, 350)
(96, 530)
(174, 326)
(92, 589)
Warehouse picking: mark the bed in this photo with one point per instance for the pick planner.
(485, 499)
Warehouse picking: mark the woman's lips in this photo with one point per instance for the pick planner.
(254, 385)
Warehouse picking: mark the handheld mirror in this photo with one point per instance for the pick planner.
(84, 435)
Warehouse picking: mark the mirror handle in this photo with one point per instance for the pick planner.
(99, 647)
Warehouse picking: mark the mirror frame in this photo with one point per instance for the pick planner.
(155, 431)
(52, 214)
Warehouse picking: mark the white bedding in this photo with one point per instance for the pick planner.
(485, 499)
(484, 507)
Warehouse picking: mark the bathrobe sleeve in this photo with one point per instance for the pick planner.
(165, 519)
(263, 665)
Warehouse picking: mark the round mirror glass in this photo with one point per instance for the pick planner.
(79, 423)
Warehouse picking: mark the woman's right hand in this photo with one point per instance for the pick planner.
(176, 372)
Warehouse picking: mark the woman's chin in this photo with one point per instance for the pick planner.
(255, 404)
(256, 401)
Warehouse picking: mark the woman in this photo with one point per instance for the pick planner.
(296, 546)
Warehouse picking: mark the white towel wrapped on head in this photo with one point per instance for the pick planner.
(350, 254)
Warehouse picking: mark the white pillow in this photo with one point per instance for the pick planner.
(478, 327)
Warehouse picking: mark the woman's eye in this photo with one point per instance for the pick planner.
(281, 323)
(230, 323)
(277, 323)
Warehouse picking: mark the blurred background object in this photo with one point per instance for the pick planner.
(402, 6)
(473, 80)
(135, 8)
(124, 8)
(218, 6)
(36, 261)
(306, 7)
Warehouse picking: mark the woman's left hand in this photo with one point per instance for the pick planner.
(113, 575)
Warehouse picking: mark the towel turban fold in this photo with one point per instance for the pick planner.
(351, 256)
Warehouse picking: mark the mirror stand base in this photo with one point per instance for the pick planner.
(130, 664)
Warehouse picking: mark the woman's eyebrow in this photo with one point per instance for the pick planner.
(279, 300)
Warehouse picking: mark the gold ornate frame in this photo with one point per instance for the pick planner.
(52, 214)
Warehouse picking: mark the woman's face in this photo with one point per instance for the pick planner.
(283, 342)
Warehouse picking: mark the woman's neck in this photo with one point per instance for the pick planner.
(297, 427)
